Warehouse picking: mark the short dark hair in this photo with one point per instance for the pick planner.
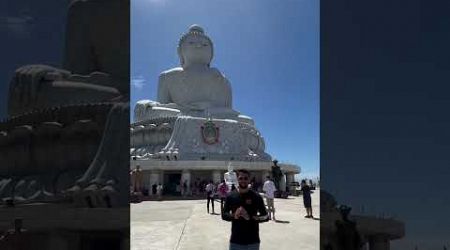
(268, 177)
(243, 171)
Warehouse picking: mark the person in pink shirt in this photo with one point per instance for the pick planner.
(223, 191)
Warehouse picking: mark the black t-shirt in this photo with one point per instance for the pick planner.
(243, 231)
(306, 192)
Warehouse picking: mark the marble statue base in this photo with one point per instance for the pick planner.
(197, 138)
(156, 171)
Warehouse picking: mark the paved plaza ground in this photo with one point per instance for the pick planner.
(185, 224)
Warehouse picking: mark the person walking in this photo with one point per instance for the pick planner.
(269, 190)
(223, 191)
(245, 209)
(306, 190)
(210, 191)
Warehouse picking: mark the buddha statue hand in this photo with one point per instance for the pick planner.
(147, 109)
(198, 106)
(165, 105)
(41, 86)
(27, 82)
(38, 72)
(205, 109)
(98, 78)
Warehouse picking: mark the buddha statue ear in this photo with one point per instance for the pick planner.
(180, 55)
(212, 51)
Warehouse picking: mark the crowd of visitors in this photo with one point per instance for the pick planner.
(244, 206)
(196, 188)
(200, 188)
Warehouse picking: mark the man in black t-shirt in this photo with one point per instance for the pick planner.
(154, 186)
(245, 209)
(306, 190)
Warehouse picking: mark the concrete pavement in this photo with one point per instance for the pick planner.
(185, 224)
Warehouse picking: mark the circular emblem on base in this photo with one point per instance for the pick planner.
(210, 132)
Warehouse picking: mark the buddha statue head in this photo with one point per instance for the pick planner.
(195, 47)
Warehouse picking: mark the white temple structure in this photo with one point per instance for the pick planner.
(192, 131)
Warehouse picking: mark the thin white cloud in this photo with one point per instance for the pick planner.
(153, 2)
(17, 25)
(138, 82)
(308, 175)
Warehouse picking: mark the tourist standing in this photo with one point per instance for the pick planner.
(269, 190)
(184, 188)
(132, 182)
(306, 190)
(195, 187)
(159, 190)
(154, 187)
(245, 209)
(210, 189)
(223, 191)
(203, 184)
(181, 188)
(137, 180)
(253, 184)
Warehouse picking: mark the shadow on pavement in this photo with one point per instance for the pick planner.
(282, 221)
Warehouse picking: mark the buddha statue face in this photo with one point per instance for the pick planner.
(195, 48)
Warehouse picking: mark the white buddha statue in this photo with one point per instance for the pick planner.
(195, 88)
(230, 177)
(193, 112)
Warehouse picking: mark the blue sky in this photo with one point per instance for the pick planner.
(268, 51)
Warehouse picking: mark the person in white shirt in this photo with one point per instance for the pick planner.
(159, 190)
(210, 192)
(269, 190)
